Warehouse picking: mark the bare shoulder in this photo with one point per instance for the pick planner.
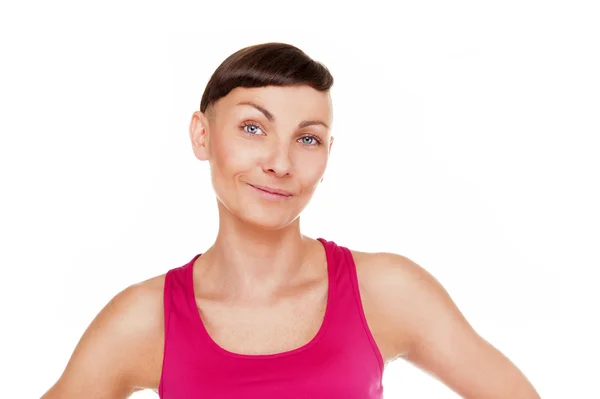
(395, 292)
(413, 316)
(121, 350)
(389, 270)
(397, 279)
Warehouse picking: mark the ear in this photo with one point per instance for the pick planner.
(198, 135)
(331, 139)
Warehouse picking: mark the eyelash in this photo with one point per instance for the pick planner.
(317, 140)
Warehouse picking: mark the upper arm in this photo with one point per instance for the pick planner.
(119, 351)
(441, 341)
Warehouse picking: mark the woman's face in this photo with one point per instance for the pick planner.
(267, 138)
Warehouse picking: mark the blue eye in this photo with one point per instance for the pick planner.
(307, 140)
(251, 128)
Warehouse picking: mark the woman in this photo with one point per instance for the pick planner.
(267, 312)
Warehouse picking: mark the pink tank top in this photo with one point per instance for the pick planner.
(341, 361)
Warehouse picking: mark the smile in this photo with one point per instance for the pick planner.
(271, 193)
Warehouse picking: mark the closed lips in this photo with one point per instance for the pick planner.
(272, 190)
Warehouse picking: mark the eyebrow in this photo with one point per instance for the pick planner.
(271, 117)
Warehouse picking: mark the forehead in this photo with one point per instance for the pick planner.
(291, 102)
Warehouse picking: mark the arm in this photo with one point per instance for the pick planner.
(440, 340)
(118, 353)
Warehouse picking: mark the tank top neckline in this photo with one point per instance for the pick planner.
(201, 328)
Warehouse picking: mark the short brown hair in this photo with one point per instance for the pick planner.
(267, 64)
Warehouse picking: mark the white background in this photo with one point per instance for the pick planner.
(466, 139)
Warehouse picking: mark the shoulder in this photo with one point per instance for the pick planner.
(414, 317)
(121, 350)
(136, 310)
(402, 300)
(136, 316)
(140, 306)
(389, 270)
(394, 277)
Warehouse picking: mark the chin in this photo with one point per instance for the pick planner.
(263, 219)
(262, 215)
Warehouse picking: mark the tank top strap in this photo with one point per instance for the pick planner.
(348, 306)
(175, 292)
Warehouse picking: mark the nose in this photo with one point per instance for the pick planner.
(278, 162)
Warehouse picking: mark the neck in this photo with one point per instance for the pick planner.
(247, 261)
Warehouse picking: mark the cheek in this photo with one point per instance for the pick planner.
(312, 170)
(228, 156)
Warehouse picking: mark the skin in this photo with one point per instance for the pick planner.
(261, 267)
